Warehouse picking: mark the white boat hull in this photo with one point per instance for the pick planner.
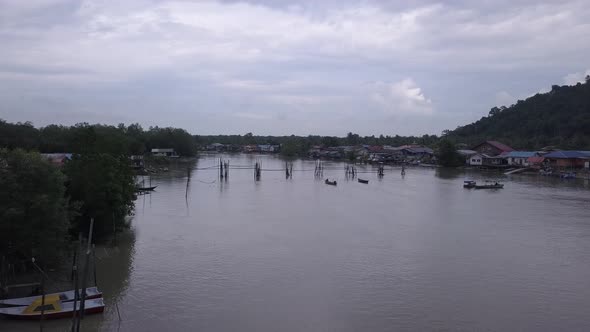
(91, 293)
(67, 310)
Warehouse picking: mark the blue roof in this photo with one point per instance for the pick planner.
(521, 154)
(568, 154)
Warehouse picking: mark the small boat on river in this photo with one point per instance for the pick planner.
(52, 309)
(363, 181)
(91, 293)
(469, 184)
(332, 183)
(490, 185)
(145, 188)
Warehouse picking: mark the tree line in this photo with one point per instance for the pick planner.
(43, 207)
(559, 118)
(97, 138)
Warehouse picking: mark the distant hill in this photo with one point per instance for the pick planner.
(558, 118)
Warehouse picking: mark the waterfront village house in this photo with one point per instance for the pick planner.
(536, 162)
(568, 159)
(361, 152)
(476, 159)
(466, 154)
(393, 153)
(249, 148)
(519, 158)
(164, 153)
(482, 159)
(418, 152)
(57, 159)
(137, 161)
(270, 148)
(492, 148)
(215, 147)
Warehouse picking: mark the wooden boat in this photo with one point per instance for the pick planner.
(145, 188)
(490, 185)
(53, 309)
(469, 184)
(91, 293)
(332, 183)
(363, 181)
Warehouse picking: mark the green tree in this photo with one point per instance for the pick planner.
(104, 187)
(351, 155)
(18, 135)
(34, 213)
(178, 139)
(447, 154)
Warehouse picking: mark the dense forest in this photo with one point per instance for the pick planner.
(559, 118)
(84, 138)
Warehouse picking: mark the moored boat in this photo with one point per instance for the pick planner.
(363, 181)
(332, 183)
(91, 293)
(469, 184)
(145, 188)
(490, 185)
(52, 309)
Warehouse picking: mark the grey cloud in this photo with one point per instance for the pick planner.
(284, 67)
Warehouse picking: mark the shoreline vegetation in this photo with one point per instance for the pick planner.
(47, 201)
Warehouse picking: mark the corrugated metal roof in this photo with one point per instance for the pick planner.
(521, 154)
(568, 154)
(500, 146)
(535, 160)
(420, 150)
(466, 152)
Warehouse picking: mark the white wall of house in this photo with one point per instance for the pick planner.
(476, 160)
(518, 161)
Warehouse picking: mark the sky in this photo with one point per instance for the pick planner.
(279, 67)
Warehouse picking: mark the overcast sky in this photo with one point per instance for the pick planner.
(284, 67)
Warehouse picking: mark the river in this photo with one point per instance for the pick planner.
(412, 253)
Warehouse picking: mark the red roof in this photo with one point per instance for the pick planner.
(535, 160)
(500, 146)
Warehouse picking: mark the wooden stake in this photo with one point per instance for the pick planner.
(85, 275)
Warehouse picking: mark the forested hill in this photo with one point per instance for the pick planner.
(559, 118)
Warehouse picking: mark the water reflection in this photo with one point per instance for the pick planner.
(449, 173)
(418, 253)
(114, 269)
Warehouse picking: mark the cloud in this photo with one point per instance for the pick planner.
(206, 60)
(504, 98)
(575, 78)
(251, 116)
(402, 97)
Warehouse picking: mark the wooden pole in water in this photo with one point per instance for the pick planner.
(42, 300)
(73, 265)
(94, 264)
(188, 178)
(42, 294)
(85, 275)
(114, 230)
(2, 275)
(76, 297)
